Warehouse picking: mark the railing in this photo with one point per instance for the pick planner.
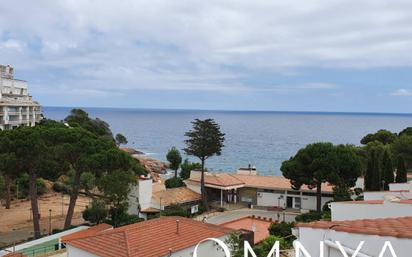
(13, 113)
(14, 122)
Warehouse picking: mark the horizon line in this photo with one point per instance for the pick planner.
(233, 110)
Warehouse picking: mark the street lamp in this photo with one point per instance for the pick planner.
(50, 211)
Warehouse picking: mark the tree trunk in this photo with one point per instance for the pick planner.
(34, 204)
(319, 197)
(202, 186)
(176, 173)
(73, 198)
(8, 191)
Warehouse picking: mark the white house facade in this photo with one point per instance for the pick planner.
(350, 234)
(17, 107)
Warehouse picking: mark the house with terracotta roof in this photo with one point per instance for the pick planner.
(148, 197)
(162, 237)
(255, 190)
(350, 233)
(257, 226)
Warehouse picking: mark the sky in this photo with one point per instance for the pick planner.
(313, 55)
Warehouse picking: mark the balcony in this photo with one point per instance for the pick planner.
(13, 113)
(14, 122)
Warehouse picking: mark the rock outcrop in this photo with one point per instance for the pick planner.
(151, 165)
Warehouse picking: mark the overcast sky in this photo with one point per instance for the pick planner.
(347, 55)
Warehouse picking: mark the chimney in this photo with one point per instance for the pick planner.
(177, 226)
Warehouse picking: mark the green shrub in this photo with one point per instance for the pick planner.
(176, 210)
(174, 182)
(41, 186)
(283, 230)
(309, 217)
(327, 216)
(60, 187)
(23, 182)
(119, 217)
(265, 246)
(96, 213)
(186, 167)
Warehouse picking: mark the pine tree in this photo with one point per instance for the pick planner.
(401, 173)
(387, 170)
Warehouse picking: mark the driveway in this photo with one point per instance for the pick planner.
(236, 214)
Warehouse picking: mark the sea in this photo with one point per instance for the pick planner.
(261, 138)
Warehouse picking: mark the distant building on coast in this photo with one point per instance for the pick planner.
(17, 107)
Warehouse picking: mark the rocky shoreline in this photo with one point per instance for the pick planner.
(150, 164)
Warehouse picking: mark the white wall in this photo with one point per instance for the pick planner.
(206, 249)
(400, 186)
(270, 199)
(310, 239)
(194, 187)
(376, 195)
(140, 194)
(349, 211)
(309, 202)
(76, 252)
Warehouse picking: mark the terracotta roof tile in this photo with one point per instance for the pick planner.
(274, 182)
(143, 239)
(176, 196)
(87, 232)
(391, 227)
(257, 181)
(260, 226)
(220, 179)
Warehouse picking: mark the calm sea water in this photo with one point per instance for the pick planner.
(264, 139)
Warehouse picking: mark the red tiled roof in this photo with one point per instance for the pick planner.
(273, 182)
(150, 238)
(87, 232)
(179, 195)
(256, 181)
(259, 225)
(391, 227)
(220, 179)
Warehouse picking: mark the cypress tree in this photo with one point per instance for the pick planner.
(387, 170)
(401, 173)
(368, 174)
(372, 176)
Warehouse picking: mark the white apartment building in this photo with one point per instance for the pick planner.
(396, 202)
(382, 217)
(17, 107)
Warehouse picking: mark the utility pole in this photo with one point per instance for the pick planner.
(62, 204)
